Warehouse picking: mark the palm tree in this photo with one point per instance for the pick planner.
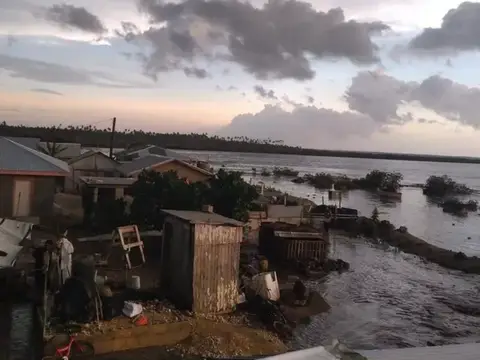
(52, 148)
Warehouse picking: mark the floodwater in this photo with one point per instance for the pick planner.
(389, 299)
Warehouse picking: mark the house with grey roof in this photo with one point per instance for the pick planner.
(29, 180)
(165, 164)
(146, 150)
(91, 163)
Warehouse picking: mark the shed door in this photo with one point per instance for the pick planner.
(22, 196)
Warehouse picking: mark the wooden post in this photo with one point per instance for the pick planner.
(45, 298)
(112, 136)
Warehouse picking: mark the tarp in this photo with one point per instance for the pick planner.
(11, 235)
(11, 252)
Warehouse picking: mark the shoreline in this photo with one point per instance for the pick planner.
(408, 243)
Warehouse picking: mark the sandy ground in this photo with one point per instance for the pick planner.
(229, 335)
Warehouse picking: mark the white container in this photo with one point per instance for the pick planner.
(266, 285)
(135, 282)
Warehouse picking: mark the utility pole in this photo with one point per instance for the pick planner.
(112, 136)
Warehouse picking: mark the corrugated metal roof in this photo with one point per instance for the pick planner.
(29, 142)
(143, 163)
(298, 235)
(200, 217)
(153, 150)
(89, 153)
(89, 180)
(15, 157)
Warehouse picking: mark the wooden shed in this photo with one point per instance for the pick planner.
(283, 242)
(200, 260)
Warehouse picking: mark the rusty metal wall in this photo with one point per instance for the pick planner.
(216, 267)
(305, 249)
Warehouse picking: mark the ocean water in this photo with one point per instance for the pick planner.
(389, 299)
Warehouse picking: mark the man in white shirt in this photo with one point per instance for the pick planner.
(65, 248)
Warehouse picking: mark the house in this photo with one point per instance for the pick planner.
(201, 259)
(91, 163)
(145, 150)
(164, 164)
(29, 180)
(62, 151)
(106, 187)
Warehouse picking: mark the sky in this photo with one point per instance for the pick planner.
(391, 76)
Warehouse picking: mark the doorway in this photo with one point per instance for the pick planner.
(22, 196)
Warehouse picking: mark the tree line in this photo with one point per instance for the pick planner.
(89, 135)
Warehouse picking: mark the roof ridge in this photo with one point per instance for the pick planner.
(59, 164)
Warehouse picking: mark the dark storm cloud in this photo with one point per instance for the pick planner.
(195, 72)
(47, 91)
(78, 18)
(380, 97)
(264, 93)
(275, 41)
(460, 30)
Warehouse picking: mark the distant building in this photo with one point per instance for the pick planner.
(29, 180)
(62, 151)
(90, 164)
(146, 150)
(108, 188)
(201, 259)
(164, 164)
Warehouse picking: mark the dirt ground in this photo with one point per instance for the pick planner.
(237, 334)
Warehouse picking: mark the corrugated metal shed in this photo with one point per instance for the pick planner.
(17, 159)
(199, 217)
(201, 259)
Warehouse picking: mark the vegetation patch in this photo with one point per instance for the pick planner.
(284, 171)
(374, 180)
(441, 186)
(458, 207)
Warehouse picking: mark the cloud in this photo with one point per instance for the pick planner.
(307, 125)
(460, 30)
(195, 72)
(47, 91)
(47, 72)
(276, 41)
(264, 93)
(380, 96)
(75, 18)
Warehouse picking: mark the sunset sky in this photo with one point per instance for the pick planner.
(399, 76)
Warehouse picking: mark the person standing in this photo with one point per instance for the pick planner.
(66, 249)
